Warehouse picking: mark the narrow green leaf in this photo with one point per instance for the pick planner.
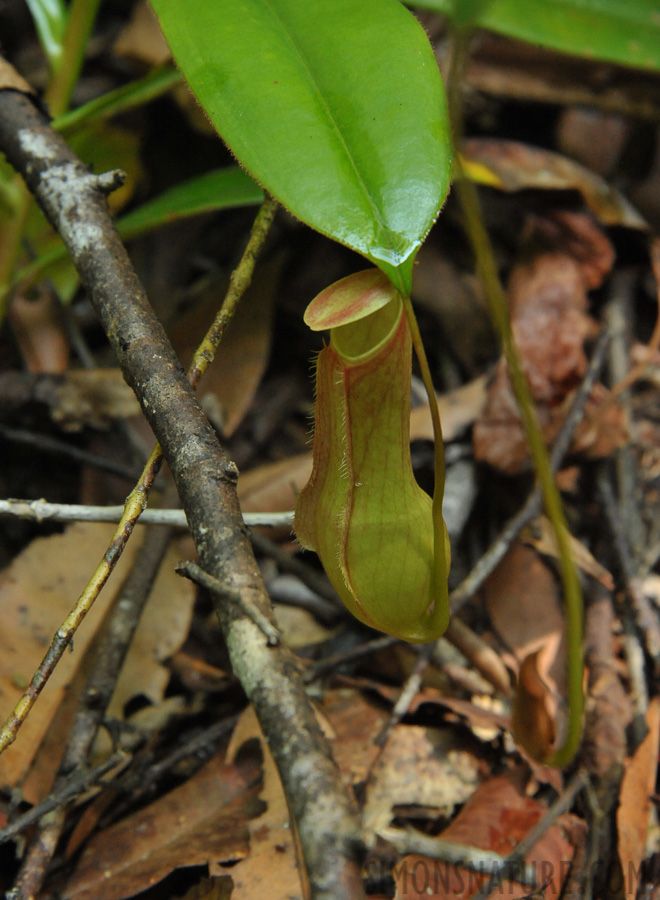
(220, 189)
(619, 31)
(128, 96)
(335, 107)
(50, 21)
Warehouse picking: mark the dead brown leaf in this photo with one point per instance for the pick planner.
(37, 593)
(270, 869)
(204, 821)
(233, 377)
(435, 769)
(142, 37)
(540, 535)
(11, 80)
(93, 398)
(497, 817)
(522, 597)
(532, 720)
(632, 817)
(274, 487)
(38, 329)
(352, 724)
(458, 410)
(516, 167)
(564, 256)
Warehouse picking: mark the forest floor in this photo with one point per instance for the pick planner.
(439, 743)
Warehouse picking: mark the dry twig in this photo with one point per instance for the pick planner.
(206, 483)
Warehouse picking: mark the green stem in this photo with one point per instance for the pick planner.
(440, 567)
(136, 93)
(10, 243)
(82, 14)
(498, 308)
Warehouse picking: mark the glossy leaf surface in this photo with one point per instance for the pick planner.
(335, 107)
(362, 510)
(620, 31)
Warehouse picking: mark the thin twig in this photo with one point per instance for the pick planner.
(314, 580)
(137, 499)
(408, 840)
(47, 444)
(495, 553)
(329, 663)
(206, 482)
(406, 696)
(644, 614)
(479, 654)
(43, 511)
(218, 589)
(77, 784)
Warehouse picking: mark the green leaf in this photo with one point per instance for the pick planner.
(50, 17)
(336, 107)
(128, 96)
(620, 31)
(220, 189)
(213, 191)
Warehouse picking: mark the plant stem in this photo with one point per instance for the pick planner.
(82, 14)
(440, 563)
(498, 309)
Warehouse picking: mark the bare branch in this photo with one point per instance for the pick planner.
(206, 482)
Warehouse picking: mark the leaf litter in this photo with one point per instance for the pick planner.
(459, 764)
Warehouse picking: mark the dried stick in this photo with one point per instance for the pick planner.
(206, 483)
(216, 588)
(135, 504)
(79, 783)
(408, 840)
(137, 499)
(43, 511)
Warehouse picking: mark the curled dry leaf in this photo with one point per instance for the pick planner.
(532, 722)
(523, 603)
(512, 166)
(565, 256)
(540, 535)
(632, 818)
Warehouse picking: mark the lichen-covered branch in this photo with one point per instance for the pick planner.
(72, 198)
